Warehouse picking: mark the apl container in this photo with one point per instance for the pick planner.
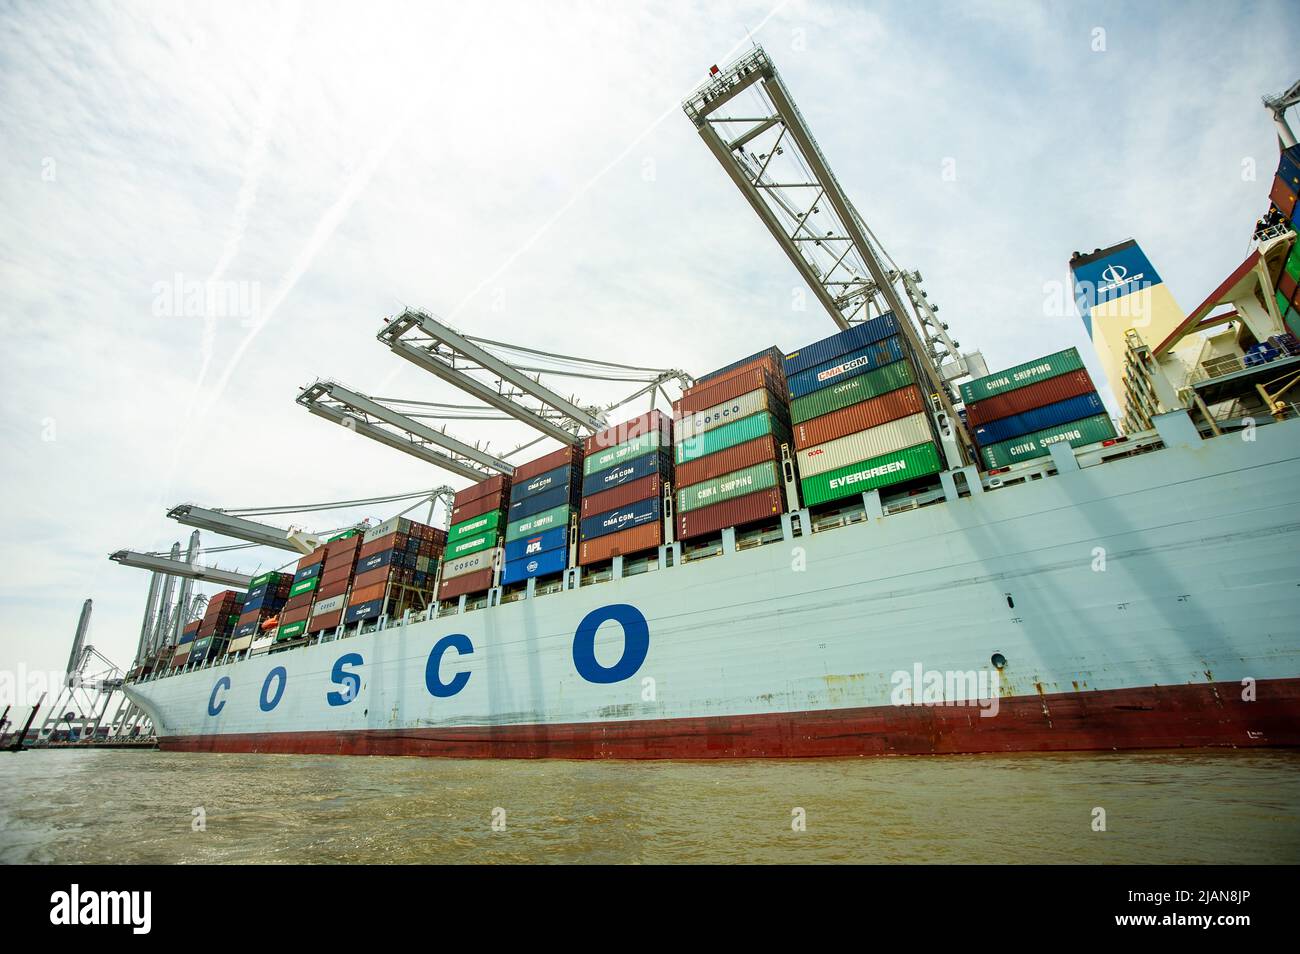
(731, 486)
(897, 467)
(554, 539)
(540, 564)
(864, 445)
(1022, 375)
(1030, 446)
(1062, 412)
(846, 366)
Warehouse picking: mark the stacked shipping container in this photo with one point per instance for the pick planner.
(340, 566)
(1015, 415)
(728, 433)
(624, 472)
(478, 522)
(216, 626)
(266, 596)
(302, 593)
(183, 648)
(1285, 196)
(544, 497)
(860, 420)
(396, 567)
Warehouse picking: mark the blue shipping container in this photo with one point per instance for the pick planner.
(375, 561)
(838, 370)
(363, 610)
(538, 503)
(852, 339)
(626, 472)
(552, 561)
(559, 477)
(307, 572)
(611, 521)
(551, 539)
(255, 595)
(248, 629)
(1049, 415)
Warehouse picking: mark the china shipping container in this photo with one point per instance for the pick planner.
(649, 423)
(728, 460)
(623, 543)
(762, 505)
(863, 387)
(842, 343)
(731, 486)
(729, 435)
(864, 445)
(908, 464)
(1060, 388)
(1030, 446)
(537, 522)
(1037, 419)
(1022, 375)
(860, 417)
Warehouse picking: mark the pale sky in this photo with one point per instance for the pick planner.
(526, 172)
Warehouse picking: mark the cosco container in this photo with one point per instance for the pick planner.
(704, 396)
(550, 561)
(554, 539)
(621, 495)
(907, 464)
(761, 505)
(864, 445)
(729, 435)
(322, 607)
(1087, 431)
(860, 417)
(740, 483)
(1060, 388)
(536, 523)
(473, 526)
(845, 342)
(626, 473)
(1022, 375)
(625, 542)
(468, 583)
(556, 477)
(652, 422)
(1062, 412)
(633, 515)
(482, 560)
(846, 366)
(728, 411)
(603, 459)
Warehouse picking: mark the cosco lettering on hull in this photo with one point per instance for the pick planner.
(346, 672)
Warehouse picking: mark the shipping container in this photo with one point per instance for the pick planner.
(554, 539)
(844, 342)
(569, 454)
(864, 445)
(729, 435)
(290, 630)
(472, 544)
(1062, 412)
(622, 453)
(626, 473)
(304, 586)
(395, 525)
(1284, 197)
(750, 508)
(479, 506)
(621, 495)
(561, 496)
(536, 523)
(492, 487)
(330, 605)
(903, 402)
(372, 577)
(540, 564)
(731, 486)
(1022, 375)
(746, 404)
(907, 464)
(323, 623)
(652, 422)
(703, 397)
(551, 479)
(474, 526)
(1030, 446)
(846, 366)
(730, 459)
(634, 540)
(377, 561)
(473, 563)
(476, 582)
(1060, 388)
(375, 591)
(770, 358)
(307, 572)
(612, 521)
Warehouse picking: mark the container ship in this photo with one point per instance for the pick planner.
(867, 545)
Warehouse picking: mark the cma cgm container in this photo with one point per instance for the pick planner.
(861, 421)
(479, 517)
(728, 447)
(622, 488)
(544, 499)
(395, 571)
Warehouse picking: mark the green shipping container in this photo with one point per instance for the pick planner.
(472, 545)
(466, 528)
(727, 487)
(304, 586)
(1089, 430)
(343, 536)
(621, 453)
(290, 630)
(546, 520)
(853, 391)
(728, 435)
(259, 580)
(1022, 375)
(906, 464)
(1293, 262)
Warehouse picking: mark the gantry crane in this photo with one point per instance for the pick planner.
(1278, 104)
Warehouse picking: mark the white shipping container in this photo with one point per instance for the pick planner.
(328, 605)
(751, 403)
(468, 564)
(393, 525)
(873, 442)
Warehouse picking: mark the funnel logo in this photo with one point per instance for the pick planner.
(1114, 274)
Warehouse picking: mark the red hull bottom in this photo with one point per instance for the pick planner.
(1157, 717)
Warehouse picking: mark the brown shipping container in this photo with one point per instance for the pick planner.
(484, 488)
(773, 366)
(476, 508)
(324, 621)
(714, 392)
(324, 591)
(366, 594)
(295, 615)
(859, 417)
(342, 549)
(556, 458)
(393, 541)
(302, 599)
(758, 451)
(633, 540)
(311, 559)
(730, 513)
(630, 430)
(370, 579)
(468, 583)
(642, 489)
(340, 573)
(1060, 388)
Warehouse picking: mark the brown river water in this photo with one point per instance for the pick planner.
(136, 807)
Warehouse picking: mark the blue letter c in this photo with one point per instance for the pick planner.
(215, 707)
(433, 680)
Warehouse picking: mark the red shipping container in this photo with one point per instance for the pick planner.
(762, 505)
(630, 430)
(366, 594)
(859, 417)
(769, 362)
(311, 559)
(568, 454)
(1287, 286)
(1060, 388)
(325, 591)
(758, 451)
(295, 615)
(476, 508)
(615, 497)
(342, 549)
(332, 575)
(484, 488)
(632, 540)
(324, 621)
(393, 541)
(302, 599)
(1283, 197)
(372, 577)
(711, 394)
(476, 582)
